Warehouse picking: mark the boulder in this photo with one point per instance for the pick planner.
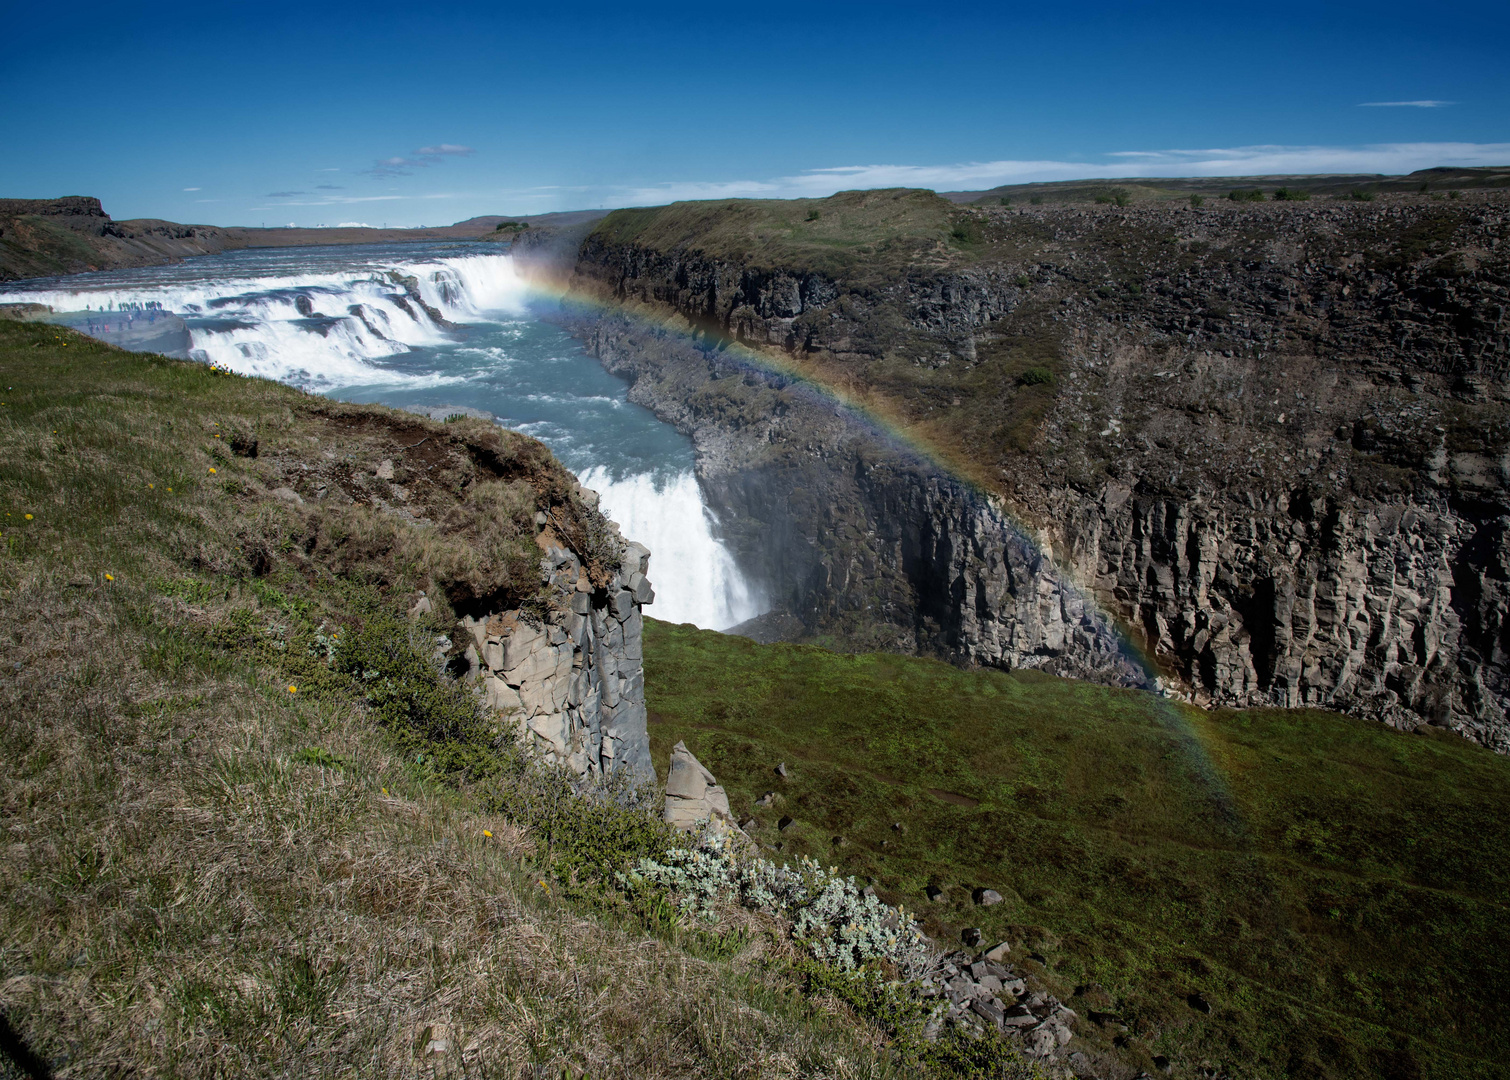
(988, 1009)
(693, 795)
(987, 897)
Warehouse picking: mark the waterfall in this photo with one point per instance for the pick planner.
(694, 575)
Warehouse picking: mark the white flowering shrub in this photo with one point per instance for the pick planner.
(839, 924)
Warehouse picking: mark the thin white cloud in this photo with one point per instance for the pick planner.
(1425, 104)
(445, 150)
(1389, 158)
(191, 189)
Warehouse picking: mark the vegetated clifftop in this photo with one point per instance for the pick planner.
(1272, 439)
(545, 594)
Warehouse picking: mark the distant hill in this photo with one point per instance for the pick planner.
(1154, 189)
(44, 237)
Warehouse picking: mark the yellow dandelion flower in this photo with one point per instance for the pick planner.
(109, 577)
(28, 517)
(151, 486)
(488, 834)
(293, 689)
(170, 491)
(212, 469)
(385, 791)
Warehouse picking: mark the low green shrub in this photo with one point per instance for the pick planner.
(437, 723)
(1359, 195)
(590, 830)
(1036, 376)
(1291, 195)
(1198, 201)
(814, 214)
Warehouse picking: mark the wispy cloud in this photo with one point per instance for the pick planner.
(1126, 164)
(422, 158)
(283, 194)
(191, 189)
(329, 187)
(1425, 104)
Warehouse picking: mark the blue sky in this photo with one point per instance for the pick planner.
(407, 114)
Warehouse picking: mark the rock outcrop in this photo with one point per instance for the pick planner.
(1265, 449)
(573, 678)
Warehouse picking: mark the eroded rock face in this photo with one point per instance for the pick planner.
(573, 680)
(1276, 451)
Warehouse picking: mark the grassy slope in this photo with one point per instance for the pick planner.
(206, 874)
(865, 235)
(1163, 190)
(1336, 890)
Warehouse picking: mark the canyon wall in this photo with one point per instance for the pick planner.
(1271, 442)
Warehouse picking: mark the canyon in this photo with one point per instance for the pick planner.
(1244, 453)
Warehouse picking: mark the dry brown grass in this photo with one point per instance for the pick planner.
(190, 891)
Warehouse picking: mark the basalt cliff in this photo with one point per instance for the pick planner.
(1266, 443)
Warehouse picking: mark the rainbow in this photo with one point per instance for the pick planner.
(871, 416)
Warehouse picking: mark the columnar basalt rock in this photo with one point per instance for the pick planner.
(573, 679)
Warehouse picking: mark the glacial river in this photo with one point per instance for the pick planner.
(337, 321)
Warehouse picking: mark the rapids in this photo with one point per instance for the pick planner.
(431, 326)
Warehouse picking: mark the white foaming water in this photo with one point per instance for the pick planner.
(345, 322)
(320, 330)
(695, 578)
